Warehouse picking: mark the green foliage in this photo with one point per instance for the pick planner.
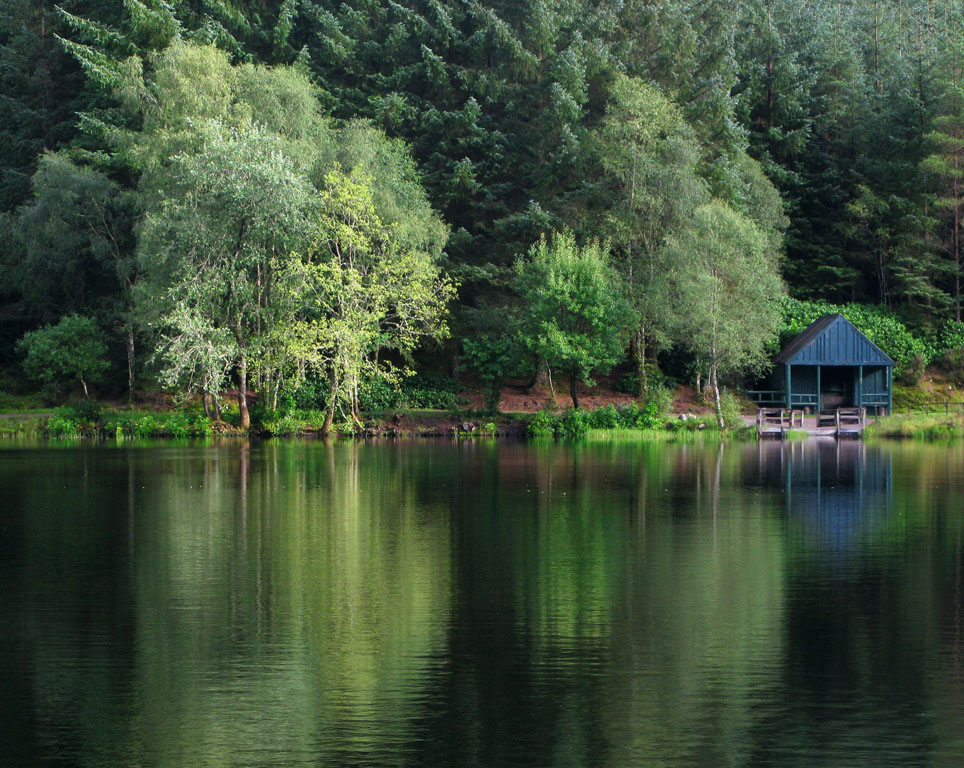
(575, 317)
(541, 424)
(619, 120)
(493, 358)
(732, 411)
(434, 392)
(952, 362)
(312, 392)
(62, 426)
(575, 423)
(951, 336)
(289, 424)
(268, 246)
(71, 350)
(155, 424)
(725, 291)
(424, 392)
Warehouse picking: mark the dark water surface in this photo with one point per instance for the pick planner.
(481, 604)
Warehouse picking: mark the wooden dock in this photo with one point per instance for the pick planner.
(837, 422)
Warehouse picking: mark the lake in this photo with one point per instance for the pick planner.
(482, 603)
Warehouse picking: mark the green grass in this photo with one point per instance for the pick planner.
(918, 427)
(796, 434)
(29, 426)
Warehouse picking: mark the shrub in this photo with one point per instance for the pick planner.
(911, 371)
(85, 411)
(436, 392)
(574, 424)
(542, 424)
(951, 336)
(629, 416)
(145, 426)
(606, 417)
(953, 364)
(311, 393)
(62, 426)
(732, 411)
(493, 359)
(72, 350)
(286, 425)
(376, 394)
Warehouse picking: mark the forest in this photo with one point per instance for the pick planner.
(314, 201)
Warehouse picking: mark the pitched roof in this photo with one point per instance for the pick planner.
(832, 340)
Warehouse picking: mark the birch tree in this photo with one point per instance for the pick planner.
(724, 291)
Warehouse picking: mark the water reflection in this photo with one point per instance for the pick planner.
(486, 603)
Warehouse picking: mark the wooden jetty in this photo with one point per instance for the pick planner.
(830, 422)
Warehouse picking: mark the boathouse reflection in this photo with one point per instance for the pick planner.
(836, 492)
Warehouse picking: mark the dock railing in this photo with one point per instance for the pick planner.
(778, 420)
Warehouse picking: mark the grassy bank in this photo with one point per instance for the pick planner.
(918, 427)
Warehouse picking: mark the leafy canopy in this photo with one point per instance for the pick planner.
(71, 350)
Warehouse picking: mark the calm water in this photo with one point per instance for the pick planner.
(482, 604)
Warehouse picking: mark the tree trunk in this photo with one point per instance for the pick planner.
(84, 385)
(130, 365)
(355, 410)
(332, 399)
(638, 344)
(206, 402)
(277, 388)
(243, 394)
(552, 389)
(957, 261)
(572, 389)
(716, 397)
(217, 407)
(540, 378)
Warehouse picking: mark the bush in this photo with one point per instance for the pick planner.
(72, 350)
(436, 392)
(542, 424)
(493, 359)
(286, 425)
(574, 424)
(377, 394)
(311, 393)
(951, 336)
(732, 411)
(658, 402)
(911, 371)
(62, 426)
(606, 417)
(83, 411)
(953, 364)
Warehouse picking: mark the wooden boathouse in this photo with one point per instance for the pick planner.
(830, 366)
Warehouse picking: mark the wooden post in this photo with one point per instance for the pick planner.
(789, 388)
(837, 421)
(860, 386)
(890, 389)
(819, 392)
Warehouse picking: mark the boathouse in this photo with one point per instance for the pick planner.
(830, 365)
